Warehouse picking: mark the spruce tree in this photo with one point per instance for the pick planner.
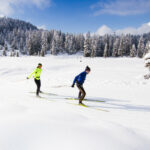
(87, 45)
(106, 50)
(141, 47)
(133, 51)
(115, 48)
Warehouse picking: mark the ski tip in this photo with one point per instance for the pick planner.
(83, 105)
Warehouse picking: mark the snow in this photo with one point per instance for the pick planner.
(121, 122)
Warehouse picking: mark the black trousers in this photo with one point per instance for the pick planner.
(38, 84)
(82, 93)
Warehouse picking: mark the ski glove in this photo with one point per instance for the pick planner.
(27, 78)
(72, 86)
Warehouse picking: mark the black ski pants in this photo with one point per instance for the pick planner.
(38, 84)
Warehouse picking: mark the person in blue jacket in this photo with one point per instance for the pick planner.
(79, 80)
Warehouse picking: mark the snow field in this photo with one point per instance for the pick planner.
(121, 122)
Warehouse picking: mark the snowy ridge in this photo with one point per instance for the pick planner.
(30, 123)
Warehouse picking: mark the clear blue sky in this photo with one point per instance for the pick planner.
(81, 15)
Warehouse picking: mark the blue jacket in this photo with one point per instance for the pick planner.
(80, 78)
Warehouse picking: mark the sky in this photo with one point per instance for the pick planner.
(81, 16)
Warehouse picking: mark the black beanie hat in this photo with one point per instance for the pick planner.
(39, 64)
(87, 68)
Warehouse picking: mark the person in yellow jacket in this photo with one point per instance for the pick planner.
(36, 74)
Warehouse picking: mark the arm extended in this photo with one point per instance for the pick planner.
(75, 80)
(31, 74)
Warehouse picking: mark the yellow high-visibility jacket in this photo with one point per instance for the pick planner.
(36, 74)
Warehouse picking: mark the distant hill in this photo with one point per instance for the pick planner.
(9, 24)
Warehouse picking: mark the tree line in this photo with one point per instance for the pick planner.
(21, 37)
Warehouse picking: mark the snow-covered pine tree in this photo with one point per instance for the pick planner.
(127, 45)
(37, 41)
(111, 44)
(22, 45)
(106, 51)
(115, 47)
(87, 45)
(72, 45)
(60, 42)
(141, 47)
(79, 41)
(54, 47)
(67, 41)
(17, 53)
(14, 44)
(29, 44)
(99, 48)
(44, 43)
(12, 53)
(4, 53)
(147, 48)
(133, 51)
(94, 46)
(34, 42)
(105, 40)
(5, 47)
(121, 47)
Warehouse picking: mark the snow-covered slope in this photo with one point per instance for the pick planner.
(118, 117)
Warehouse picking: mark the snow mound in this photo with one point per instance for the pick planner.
(147, 56)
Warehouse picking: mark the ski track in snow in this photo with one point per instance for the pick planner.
(118, 119)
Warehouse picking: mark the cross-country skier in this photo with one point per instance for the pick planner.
(79, 80)
(36, 74)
